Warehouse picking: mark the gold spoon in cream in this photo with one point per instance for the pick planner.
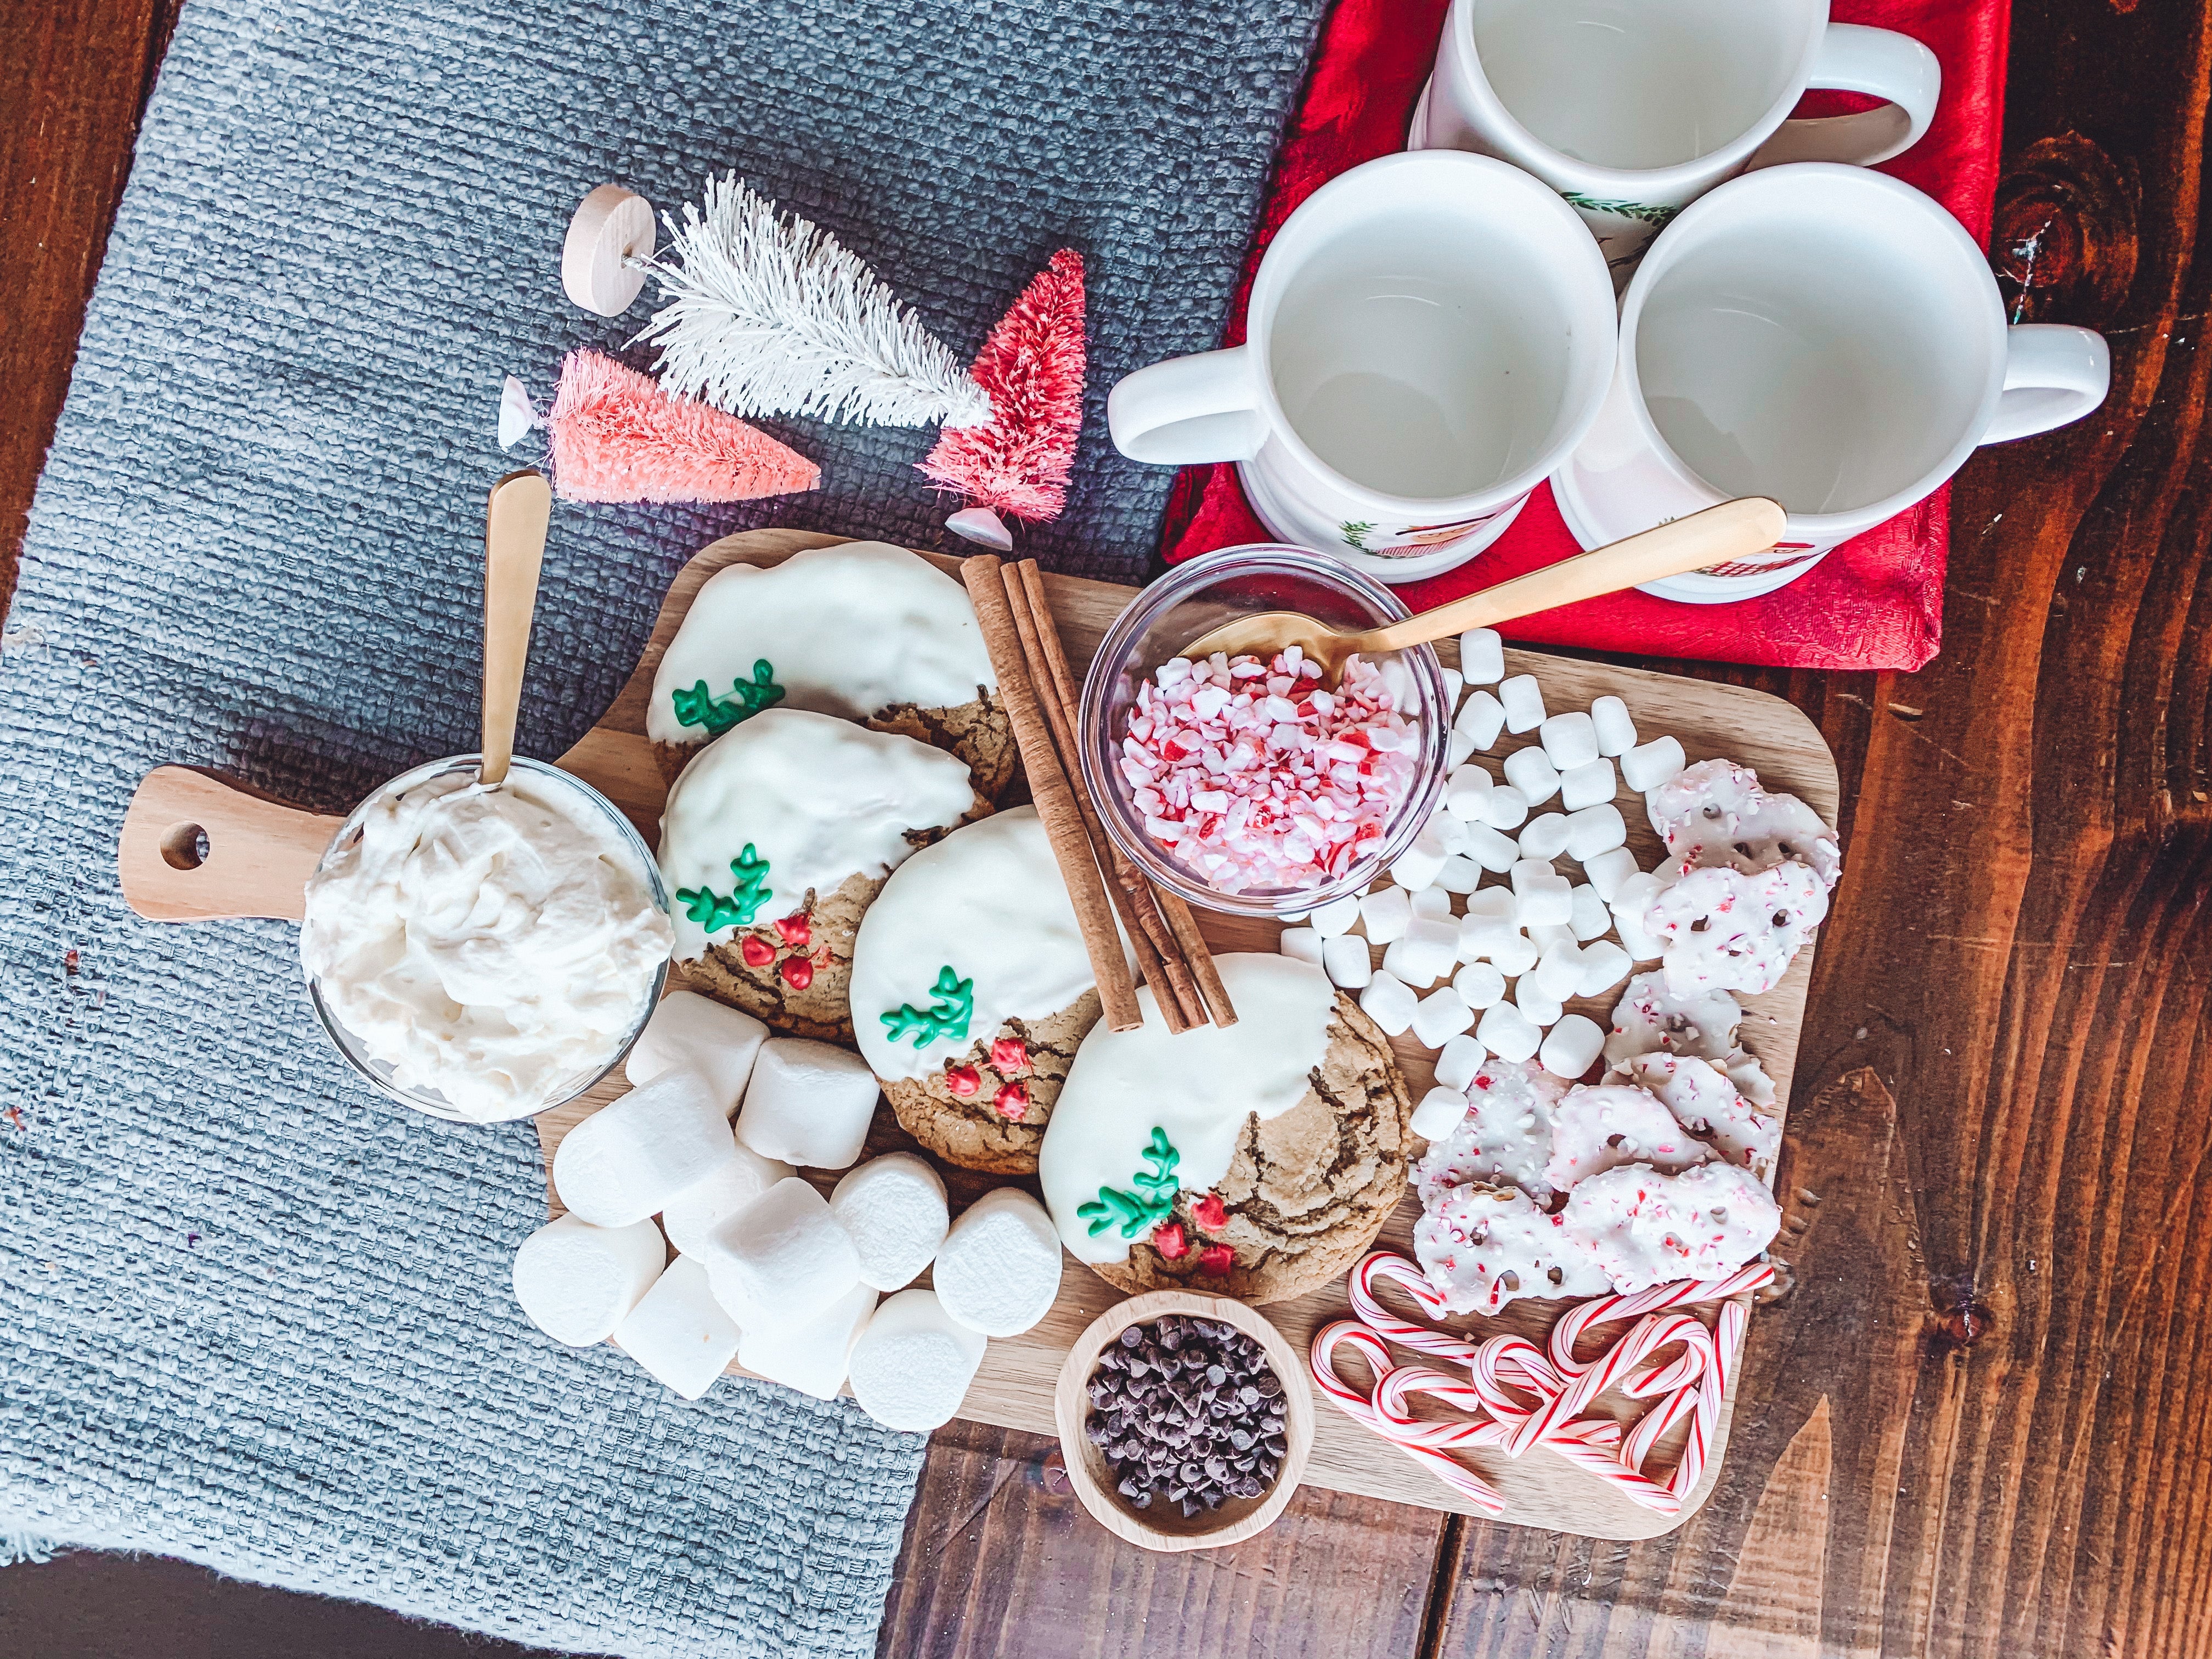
(514, 548)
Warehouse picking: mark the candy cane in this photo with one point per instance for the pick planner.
(1386, 1264)
(1610, 1309)
(1361, 1409)
(1654, 1332)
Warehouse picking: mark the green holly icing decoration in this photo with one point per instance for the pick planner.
(954, 1000)
(1153, 1203)
(1643, 212)
(699, 707)
(713, 913)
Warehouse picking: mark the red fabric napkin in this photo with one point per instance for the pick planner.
(1876, 602)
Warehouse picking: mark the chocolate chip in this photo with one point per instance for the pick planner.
(1133, 1337)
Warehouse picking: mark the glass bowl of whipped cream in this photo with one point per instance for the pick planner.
(485, 954)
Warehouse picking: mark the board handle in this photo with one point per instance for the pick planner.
(198, 847)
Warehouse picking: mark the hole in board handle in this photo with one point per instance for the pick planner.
(185, 846)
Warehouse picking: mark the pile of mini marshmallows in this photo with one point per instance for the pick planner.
(767, 1272)
(1256, 776)
(1552, 938)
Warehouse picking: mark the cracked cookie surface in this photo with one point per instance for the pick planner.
(973, 1132)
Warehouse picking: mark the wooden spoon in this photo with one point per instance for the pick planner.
(1733, 530)
(515, 548)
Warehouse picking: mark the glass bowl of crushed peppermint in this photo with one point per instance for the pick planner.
(1248, 787)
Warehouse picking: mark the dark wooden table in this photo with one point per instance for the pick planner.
(1971, 1427)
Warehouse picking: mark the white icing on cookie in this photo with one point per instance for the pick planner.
(1198, 1089)
(1504, 1139)
(1704, 1101)
(1652, 1020)
(987, 901)
(1484, 1246)
(1717, 813)
(1725, 930)
(1603, 1126)
(1641, 1227)
(846, 630)
(820, 799)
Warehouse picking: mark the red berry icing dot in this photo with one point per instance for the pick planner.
(1168, 1239)
(757, 950)
(1210, 1212)
(1010, 1056)
(797, 972)
(794, 929)
(1012, 1102)
(963, 1080)
(1216, 1258)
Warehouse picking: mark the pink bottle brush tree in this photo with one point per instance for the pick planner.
(618, 436)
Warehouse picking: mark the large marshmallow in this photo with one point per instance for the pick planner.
(999, 1269)
(689, 1032)
(690, 1217)
(679, 1333)
(577, 1282)
(626, 1160)
(809, 1354)
(781, 1257)
(912, 1365)
(894, 1208)
(809, 1103)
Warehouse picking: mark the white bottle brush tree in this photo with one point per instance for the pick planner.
(766, 314)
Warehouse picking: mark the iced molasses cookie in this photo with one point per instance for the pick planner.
(865, 631)
(971, 990)
(1258, 1161)
(776, 840)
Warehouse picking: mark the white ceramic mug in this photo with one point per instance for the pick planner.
(1428, 336)
(1632, 109)
(1823, 335)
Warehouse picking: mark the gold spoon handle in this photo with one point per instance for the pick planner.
(515, 548)
(1733, 530)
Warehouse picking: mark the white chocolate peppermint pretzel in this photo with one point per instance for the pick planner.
(1642, 1226)
(1652, 1020)
(1704, 1101)
(1717, 813)
(1484, 1246)
(1725, 930)
(1505, 1138)
(1601, 1127)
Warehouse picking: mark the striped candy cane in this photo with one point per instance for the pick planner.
(1361, 1409)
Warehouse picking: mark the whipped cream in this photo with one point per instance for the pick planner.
(496, 945)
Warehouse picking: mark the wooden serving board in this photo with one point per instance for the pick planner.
(259, 853)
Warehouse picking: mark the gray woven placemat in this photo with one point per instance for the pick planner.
(252, 1315)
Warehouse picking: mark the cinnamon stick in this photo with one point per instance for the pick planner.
(1055, 801)
(1157, 954)
(1192, 949)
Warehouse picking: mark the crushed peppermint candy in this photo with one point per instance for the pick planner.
(1256, 776)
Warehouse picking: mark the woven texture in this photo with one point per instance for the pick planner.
(254, 1316)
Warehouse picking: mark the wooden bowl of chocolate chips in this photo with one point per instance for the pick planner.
(1185, 1420)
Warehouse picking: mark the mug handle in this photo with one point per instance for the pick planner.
(2054, 374)
(1188, 410)
(1881, 64)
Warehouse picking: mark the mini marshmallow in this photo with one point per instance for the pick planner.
(1647, 766)
(1594, 831)
(577, 1282)
(911, 1367)
(678, 1332)
(1607, 870)
(1439, 1113)
(1345, 961)
(1586, 786)
(1482, 656)
(1302, 943)
(692, 1033)
(626, 1160)
(1338, 916)
(1454, 681)
(1494, 903)
(1544, 896)
(1530, 771)
(997, 1270)
(1410, 966)
(1524, 702)
(1479, 985)
(1439, 1016)
(1640, 945)
(692, 1215)
(1544, 836)
(1538, 1009)
(1481, 717)
(1571, 1046)
(1466, 789)
(809, 1103)
(1587, 917)
(1432, 904)
(1389, 1002)
(1555, 976)
(1571, 740)
(1418, 865)
(1605, 965)
(1494, 852)
(1457, 1063)
(1458, 746)
(1435, 943)
(1450, 832)
(781, 1257)
(1482, 936)
(1461, 874)
(1506, 1032)
(809, 1354)
(1504, 808)
(1388, 913)
(893, 1209)
(1545, 934)
(1632, 898)
(1515, 955)
(1616, 732)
